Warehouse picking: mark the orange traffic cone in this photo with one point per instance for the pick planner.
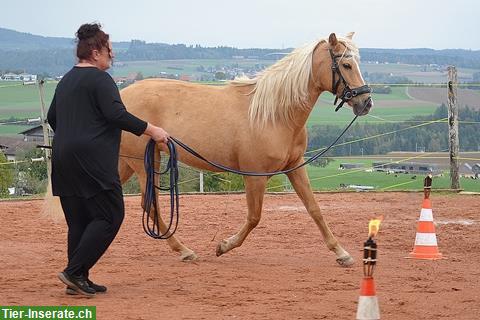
(367, 302)
(426, 240)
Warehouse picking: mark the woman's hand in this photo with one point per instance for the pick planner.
(157, 133)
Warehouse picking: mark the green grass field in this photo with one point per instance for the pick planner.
(17, 100)
(325, 114)
(395, 68)
(398, 93)
(12, 130)
(396, 106)
(21, 101)
(330, 178)
(153, 68)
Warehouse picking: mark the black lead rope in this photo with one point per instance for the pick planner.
(262, 174)
(152, 228)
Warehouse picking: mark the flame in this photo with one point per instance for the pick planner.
(374, 226)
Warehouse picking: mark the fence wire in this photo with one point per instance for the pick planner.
(193, 176)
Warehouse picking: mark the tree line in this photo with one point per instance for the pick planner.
(53, 61)
(430, 138)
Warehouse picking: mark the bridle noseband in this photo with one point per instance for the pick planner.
(348, 93)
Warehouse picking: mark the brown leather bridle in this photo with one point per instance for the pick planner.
(348, 93)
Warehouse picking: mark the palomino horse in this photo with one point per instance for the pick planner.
(250, 124)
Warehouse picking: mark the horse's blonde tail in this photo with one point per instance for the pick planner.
(52, 209)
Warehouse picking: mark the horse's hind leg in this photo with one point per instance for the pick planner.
(124, 171)
(255, 189)
(301, 184)
(176, 245)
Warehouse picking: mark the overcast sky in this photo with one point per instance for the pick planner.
(437, 24)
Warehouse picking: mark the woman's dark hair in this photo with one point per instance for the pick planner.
(90, 36)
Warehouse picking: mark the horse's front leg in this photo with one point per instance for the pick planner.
(255, 189)
(301, 184)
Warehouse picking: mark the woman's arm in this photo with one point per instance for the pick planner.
(52, 113)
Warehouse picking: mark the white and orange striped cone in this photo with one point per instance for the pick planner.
(426, 240)
(368, 302)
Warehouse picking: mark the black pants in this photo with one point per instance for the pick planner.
(92, 223)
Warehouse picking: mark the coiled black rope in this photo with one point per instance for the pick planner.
(151, 223)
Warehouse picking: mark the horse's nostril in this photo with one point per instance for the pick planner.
(366, 106)
(369, 103)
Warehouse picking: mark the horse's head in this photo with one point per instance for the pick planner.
(346, 81)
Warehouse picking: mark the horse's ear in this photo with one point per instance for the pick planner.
(350, 35)
(332, 39)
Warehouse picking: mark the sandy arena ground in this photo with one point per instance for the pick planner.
(282, 271)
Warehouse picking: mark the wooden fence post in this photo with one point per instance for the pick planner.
(453, 127)
(46, 131)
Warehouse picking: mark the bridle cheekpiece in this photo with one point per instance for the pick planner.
(348, 93)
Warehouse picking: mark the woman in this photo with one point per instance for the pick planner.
(87, 115)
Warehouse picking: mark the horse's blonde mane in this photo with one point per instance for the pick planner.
(283, 86)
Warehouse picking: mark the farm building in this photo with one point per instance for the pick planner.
(34, 134)
(475, 171)
(344, 166)
(408, 167)
(10, 147)
(18, 77)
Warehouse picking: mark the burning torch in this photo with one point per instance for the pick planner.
(370, 248)
(427, 186)
(367, 302)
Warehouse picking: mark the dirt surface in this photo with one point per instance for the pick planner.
(282, 271)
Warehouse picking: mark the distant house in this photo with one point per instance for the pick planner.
(9, 153)
(26, 77)
(408, 167)
(120, 80)
(474, 171)
(133, 76)
(10, 147)
(3, 149)
(34, 134)
(10, 77)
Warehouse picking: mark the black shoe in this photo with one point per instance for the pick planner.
(71, 291)
(79, 284)
(97, 287)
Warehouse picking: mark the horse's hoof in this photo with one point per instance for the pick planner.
(346, 261)
(189, 256)
(221, 248)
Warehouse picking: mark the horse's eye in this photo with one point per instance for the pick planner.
(347, 66)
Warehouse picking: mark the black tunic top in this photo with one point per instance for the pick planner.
(87, 115)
